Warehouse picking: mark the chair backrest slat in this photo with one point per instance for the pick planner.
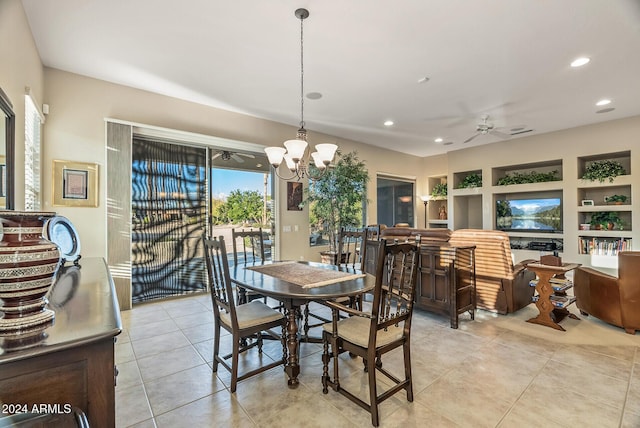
(396, 278)
(351, 248)
(248, 246)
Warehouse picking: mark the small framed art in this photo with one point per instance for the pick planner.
(75, 184)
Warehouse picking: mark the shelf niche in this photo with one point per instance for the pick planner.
(599, 194)
(468, 212)
(623, 157)
(538, 167)
(459, 177)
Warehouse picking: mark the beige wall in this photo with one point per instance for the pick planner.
(567, 146)
(20, 67)
(75, 130)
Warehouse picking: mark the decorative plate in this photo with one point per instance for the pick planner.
(61, 232)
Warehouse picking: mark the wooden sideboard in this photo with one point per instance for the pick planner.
(447, 281)
(69, 364)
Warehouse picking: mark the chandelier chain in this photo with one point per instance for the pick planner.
(301, 72)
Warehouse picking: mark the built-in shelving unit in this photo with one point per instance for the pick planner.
(437, 204)
(476, 207)
(592, 199)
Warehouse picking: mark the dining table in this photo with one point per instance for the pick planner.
(294, 284)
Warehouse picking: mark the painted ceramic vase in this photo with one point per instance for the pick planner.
(28, 265)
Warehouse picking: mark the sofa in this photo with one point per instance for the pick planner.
(410, 234)
(615, 300)
(501, 286)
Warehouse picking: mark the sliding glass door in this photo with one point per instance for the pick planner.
(169, 200)
(181, 193)
(395, 201)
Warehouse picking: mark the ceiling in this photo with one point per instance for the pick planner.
(508, 59)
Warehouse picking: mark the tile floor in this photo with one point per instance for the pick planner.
(496, 371)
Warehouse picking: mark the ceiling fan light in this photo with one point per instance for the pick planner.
(603, 102)
(326, 152)
(275, 155)
(295, 149)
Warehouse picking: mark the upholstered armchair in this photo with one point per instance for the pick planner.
(501, 286)
(615, 300)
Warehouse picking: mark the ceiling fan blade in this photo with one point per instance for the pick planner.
(237, 158)
(217, 155)
(247, 155)
(499, 134)
(471, 138)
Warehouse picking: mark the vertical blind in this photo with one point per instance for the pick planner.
(169, 217)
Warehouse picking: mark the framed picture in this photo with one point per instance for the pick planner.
(294, 196)
(75, 184)
(587, 203)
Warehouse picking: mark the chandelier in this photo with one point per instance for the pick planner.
(296, 153)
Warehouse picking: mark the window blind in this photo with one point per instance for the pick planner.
(33, 121)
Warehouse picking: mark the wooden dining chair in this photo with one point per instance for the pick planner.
(249, 320)
(248, 248)
(372, 334)
(351, 251)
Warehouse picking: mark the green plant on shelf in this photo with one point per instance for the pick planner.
(606, 220)
(471, 180)
(603, 170)
(439, 190)
(528, 177)
(615, 199)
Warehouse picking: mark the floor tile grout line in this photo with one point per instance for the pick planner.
(626, 395)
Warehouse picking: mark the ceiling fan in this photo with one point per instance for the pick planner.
(227, 155)
(485, 127)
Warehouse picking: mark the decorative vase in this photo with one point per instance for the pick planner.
(28, 265)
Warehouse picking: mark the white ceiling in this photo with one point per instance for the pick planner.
(506, 58)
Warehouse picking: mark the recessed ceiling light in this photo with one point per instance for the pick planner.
(606, 110)
(314, 95)
(579, 62)
(603, 102)
(388, 123)
(438, 140)
(423, 80)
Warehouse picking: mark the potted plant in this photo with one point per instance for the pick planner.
(615, 199)
(337, 198)
(605, 220)
(602, 170)
(471, 180)
(528, 177)
(439, 191)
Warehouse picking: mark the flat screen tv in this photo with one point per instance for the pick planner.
(529, 215)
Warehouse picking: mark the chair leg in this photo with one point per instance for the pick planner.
(325, 363)
(216, 346)
(234, 363)
(373, 391)
(407, 370)
(306, 321)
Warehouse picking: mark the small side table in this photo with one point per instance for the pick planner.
(550, 315)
